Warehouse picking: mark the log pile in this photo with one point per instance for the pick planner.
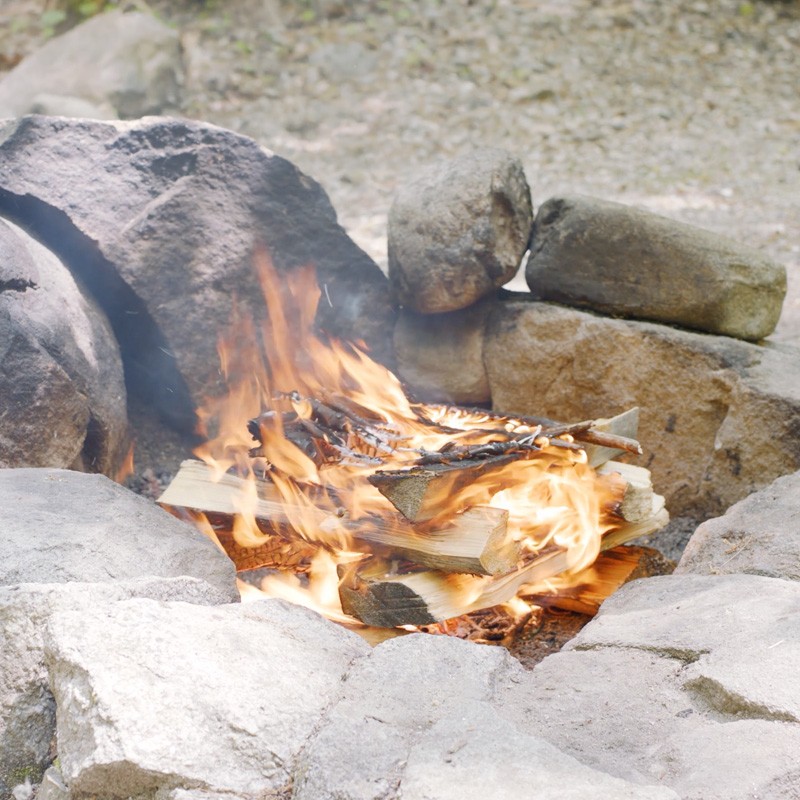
(437, 549)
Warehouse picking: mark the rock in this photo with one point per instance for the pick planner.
(27, 708)
(129, 61)
(720, 418)
(459, 231)
(404, 686)
(627, 713)
(52, 786)
(620, 260)
(754, 536)
(416, 720)
(68, 526)
(440, 356)
(164, 234)
(684, 680)
(61, 380)
(280, 666)
(476, 755)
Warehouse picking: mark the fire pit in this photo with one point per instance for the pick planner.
(396, 513)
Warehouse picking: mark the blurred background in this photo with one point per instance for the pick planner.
(687, 108)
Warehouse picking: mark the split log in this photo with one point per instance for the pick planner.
(422, 494)
(610, 571)
(475, 542)
(637, 501)
(376, 596)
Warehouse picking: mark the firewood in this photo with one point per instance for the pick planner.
(607, 438)
(612, 569)
(603, 438)
(376, 596)
(424, 493)
(475, 541)
(637, 502)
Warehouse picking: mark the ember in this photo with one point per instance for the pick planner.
(318, 465)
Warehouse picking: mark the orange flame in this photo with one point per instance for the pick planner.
(286, 376)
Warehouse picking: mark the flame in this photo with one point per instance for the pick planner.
(126, 468)
(289, 379)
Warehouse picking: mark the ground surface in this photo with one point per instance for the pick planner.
(688, 108)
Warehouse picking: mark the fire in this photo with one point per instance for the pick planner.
(324, 417)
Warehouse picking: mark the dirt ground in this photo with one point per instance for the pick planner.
(688, 108)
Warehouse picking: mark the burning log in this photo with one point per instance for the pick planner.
(637, 502)
(475, 541)
(377, 596)
(429, 512)
(610, 571)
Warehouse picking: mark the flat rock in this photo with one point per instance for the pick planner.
(757, 535)
(440, 356)
(688, 616)
(458, 231)
(416, 719)
(720, 418)
(27, 707)
(683, 680)
(128, 61)
(628, 712)
(121, 733)
(477, 755)
(64, 401)
(163, 233)
(69, 526)
(621, 260)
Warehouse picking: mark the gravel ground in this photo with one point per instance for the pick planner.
(688, 108)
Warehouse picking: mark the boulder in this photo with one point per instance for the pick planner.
(417, 720)
(719, 417)
(237, 691)
(458, 231)
(477, 755)
(757, 535)
(163, 233)
(27, 707)
(68, 526)
(620, 260)
(128, 64)
(682, 680)
(61, 380)
(440, 356)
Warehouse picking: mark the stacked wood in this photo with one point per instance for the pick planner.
(473, 542)
(428, 560)
(378, 595)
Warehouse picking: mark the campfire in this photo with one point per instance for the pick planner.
(374, 508)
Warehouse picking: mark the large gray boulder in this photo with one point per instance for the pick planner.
(621, 260)
(458, 231)
(69, 526)
(417, 720)
(160, 218)
(238, 690)
(27, 707)
(61, 382)
(759, 535)
(719, 417)
(681, 680)
(126, 64)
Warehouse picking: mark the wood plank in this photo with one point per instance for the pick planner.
(625, 425)
(475, 542)
(637, 501)
(377, 596)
